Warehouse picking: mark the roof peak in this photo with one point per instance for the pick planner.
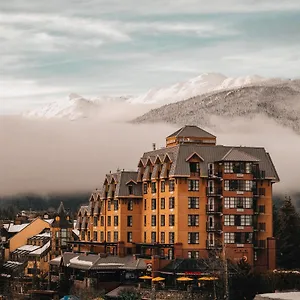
(61, 209)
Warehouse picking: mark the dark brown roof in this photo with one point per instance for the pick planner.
(191, 131)
(179, 154)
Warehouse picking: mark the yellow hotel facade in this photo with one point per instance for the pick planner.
(186, 200)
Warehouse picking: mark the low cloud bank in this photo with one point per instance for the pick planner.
(61, 156)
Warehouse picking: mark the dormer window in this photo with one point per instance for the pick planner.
(130, 189)
(194, 167)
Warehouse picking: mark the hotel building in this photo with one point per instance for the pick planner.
(186, 200)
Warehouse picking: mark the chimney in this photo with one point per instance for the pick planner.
(154, 146)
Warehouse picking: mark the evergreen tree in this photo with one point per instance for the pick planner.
(288, 236)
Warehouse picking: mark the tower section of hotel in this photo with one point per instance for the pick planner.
(186, 200)
(199, 197)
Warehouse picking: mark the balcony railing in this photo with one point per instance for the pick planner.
(215, 173)
(214, 245)
(216, 227)
(214, 191)
(258, 174)
(214, 209)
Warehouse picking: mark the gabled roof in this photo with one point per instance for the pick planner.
(235, 154)
(191, 131)
(61, 209)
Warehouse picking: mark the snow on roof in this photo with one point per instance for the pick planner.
(76, 231)
(41, 249)
(58, 258)
(13, 262)
(50, 221)
(282, 296)
(28, 248)
(16, 228)
(45, 234)
(110, 264)
(77, 261)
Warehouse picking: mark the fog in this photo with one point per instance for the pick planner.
(56, 155)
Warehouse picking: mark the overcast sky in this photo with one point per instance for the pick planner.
(115, 47)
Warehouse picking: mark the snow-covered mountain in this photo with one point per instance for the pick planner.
(206, 82)
(76, 107)
(278, 101)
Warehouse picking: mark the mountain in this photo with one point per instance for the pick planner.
(76, 107)
(278, 101)
(206, 82)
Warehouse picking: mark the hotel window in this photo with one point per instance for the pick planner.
(171, 185)
(248, 185)
(102, 221)
(193, 254)
(101, 236)
(248, 202)
(153, 204)
(193, 185)
(229, 220)
(116, 233)
(95, 221)
(129, 237)
(145, 188)
(170, 254)
(130, 205)
(171, 237)
(95, 236)
(162, 203)
(226, 185)
(193, 220)
(171, 220)
(193, 202)
(109, 221)
(145, 204)
(108, 205)
(153, 187)
(82, 235)
(116, 205)
(129, 221)
(248, 168)
(228, 167)
(163, 186)
(116, 220)
(193, 238)
(145, 237)
(162, 237)
(194, 167)
(261, 209)
(145, 220)
(262, 226)
(153, 220)
(130, 189)
(108, 236)
(246, 220)
(171, 202)
(229, 237)
(162, 220)
(153, 237)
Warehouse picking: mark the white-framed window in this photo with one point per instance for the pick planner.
(211, 239)
(229, 220)
(162, 237)
(211, 169)
(211, 204)
(193, 202)
(171, 237)
(130, 204)
(171, 185)
(129, 236)
(171, 202)
(193, 185)
(228, 167)
(229, 237)
(246, 220)
(248, 167)
(153, 237)
(211, 186)
(162, 220)
(193, 238)
(116, 236)
(226, 185)
(193, 254)
(193, 220)
(153, 220)
(248, 202)
(211, 222)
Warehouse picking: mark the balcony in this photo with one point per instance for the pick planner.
(215, 245)
(216, 227)
(258, 174)
(214, 209)
(214, 192)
